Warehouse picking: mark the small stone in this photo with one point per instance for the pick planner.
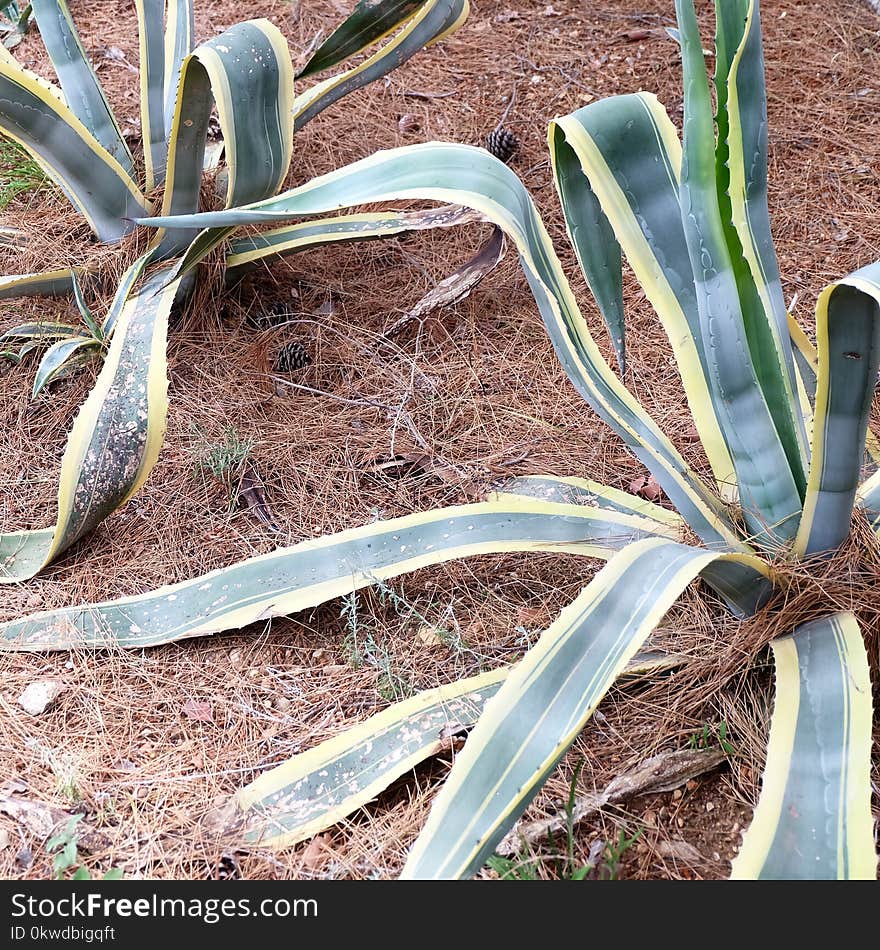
(428, 635)
(39, 695)
(4, 839)
(235, 657)
(676, 794)
(408, 123)
(710, 806)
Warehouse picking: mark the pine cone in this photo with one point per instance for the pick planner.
(502, 144)
(292, 356)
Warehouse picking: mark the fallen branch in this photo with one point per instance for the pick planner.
(660, 773)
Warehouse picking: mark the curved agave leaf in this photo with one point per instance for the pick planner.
(369, 21)
(247, 251)
(848, 337)
(583, 491)
(60, 357)
(765, 460)
(82, 91)
(40, 331)
(92, 180)
(247, 70)
(741, 181)
(813, 819)
(318, 788)
(179, 42)
(431, 22)
(315, 571)
(51, 283)
(151, 38)
(592, 236)
(85, 312)
(635, 179)
(549, 696)
(471, 177)
(131, 276)
(115, 439)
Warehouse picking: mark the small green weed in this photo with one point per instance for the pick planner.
(18, 172)
(222, 461)
(609, 870)
(66, 844)
(710, 736)
(512, 869)
(363, 649)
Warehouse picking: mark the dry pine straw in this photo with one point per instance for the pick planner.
(479, 385)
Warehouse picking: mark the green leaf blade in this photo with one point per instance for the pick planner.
(428, 22)
(545, 702)
(813, 819)
(151, 35)
(115, 438)
(769, 492)
(59, 359)
(248, 72)
(82, 91)
(369, 21)
(312, 572)
(848, 337)
(91, 179)
(468, 176)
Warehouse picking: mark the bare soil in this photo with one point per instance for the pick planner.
(479, 384)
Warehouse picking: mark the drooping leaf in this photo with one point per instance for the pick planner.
(53, 283)
(813, 819)
(848, 338)
(318, 788)
(60, 358)
(82, 91)
(549, 696)
(471, 177)
(247, 72)
(369, 21)
(115, 438)
(430, 22)
(245, 252)
(315, 571)
(583, 491)
(91, 179)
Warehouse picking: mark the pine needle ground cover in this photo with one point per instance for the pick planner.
(481, 387)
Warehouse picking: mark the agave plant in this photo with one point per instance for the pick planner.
(692, 219)
(71, 132)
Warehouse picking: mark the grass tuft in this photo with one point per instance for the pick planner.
(18, 172)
